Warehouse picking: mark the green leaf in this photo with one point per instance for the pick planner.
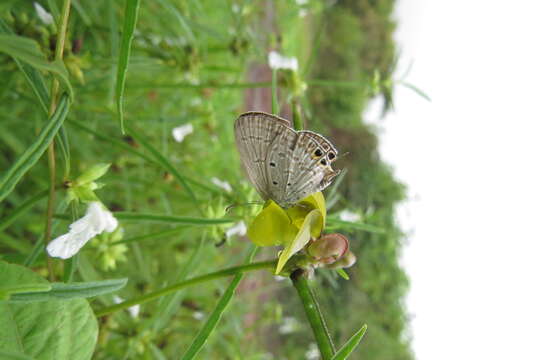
(128, 216)
(343, 273)
(271, 226)
(73, 290)
(216, 315)
(57, 329)
(130, 19)
(16, 278)
(302, 238)
(28, 51)
(14, 356)
(350, 345)
(418, 91)
(65, 329)
(34, 151)
(94, 173)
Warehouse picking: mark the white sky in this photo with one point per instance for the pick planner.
(471, 159)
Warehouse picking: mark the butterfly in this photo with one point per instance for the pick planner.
(283, 164)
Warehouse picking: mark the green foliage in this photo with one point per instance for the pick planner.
(51, 329)
(189, 62)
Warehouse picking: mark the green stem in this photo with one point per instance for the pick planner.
(175, 287)
(59, 53)
(313, 313)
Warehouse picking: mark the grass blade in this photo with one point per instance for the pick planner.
(72, 290)
(154, 235)
(34, 152)
(129, 216)
(350, 345)
(130, 13)
(216, 315)
(181, 285)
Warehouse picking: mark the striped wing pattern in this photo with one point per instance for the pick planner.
(283, 164)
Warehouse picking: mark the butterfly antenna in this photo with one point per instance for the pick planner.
(230, 207)
(347, 153)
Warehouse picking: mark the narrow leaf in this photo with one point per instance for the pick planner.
(171, 219)
(350, 345)
(419, 92)
(130, 19)
(72, 290)
(34, 152)
(32, 75)
(28, 51)
(215, 316)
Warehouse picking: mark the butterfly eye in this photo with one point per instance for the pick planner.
(318, 153)
(331, 155)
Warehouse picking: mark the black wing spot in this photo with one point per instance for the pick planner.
(323, 162)
(272, 164)
(331, 155)
(318, 152)
(274, 183)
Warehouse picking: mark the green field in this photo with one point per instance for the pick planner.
(129, 74)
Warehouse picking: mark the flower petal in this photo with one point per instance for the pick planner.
(96, 220)
(302, 238)
(278, 61)
(180, 132)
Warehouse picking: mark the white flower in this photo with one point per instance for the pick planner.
(221, 184)
(96, 220)
(198, 315)
(133, 310)
(346, 215)
(303, 13)
(179, 133)
(289, 325)
(312, 353)
(238, 229)
(43, 14)
(278, 61)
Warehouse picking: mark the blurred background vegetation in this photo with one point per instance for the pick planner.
(203, 63)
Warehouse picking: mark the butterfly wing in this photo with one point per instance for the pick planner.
(278, 164)
(254, 134)
(310, 168)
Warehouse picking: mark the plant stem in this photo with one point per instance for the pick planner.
(59, 52)
(313, 313)
(175, 287)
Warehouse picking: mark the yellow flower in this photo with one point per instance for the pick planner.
(292, 228)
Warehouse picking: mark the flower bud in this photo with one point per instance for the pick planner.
(328, 248)
(345, 261)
